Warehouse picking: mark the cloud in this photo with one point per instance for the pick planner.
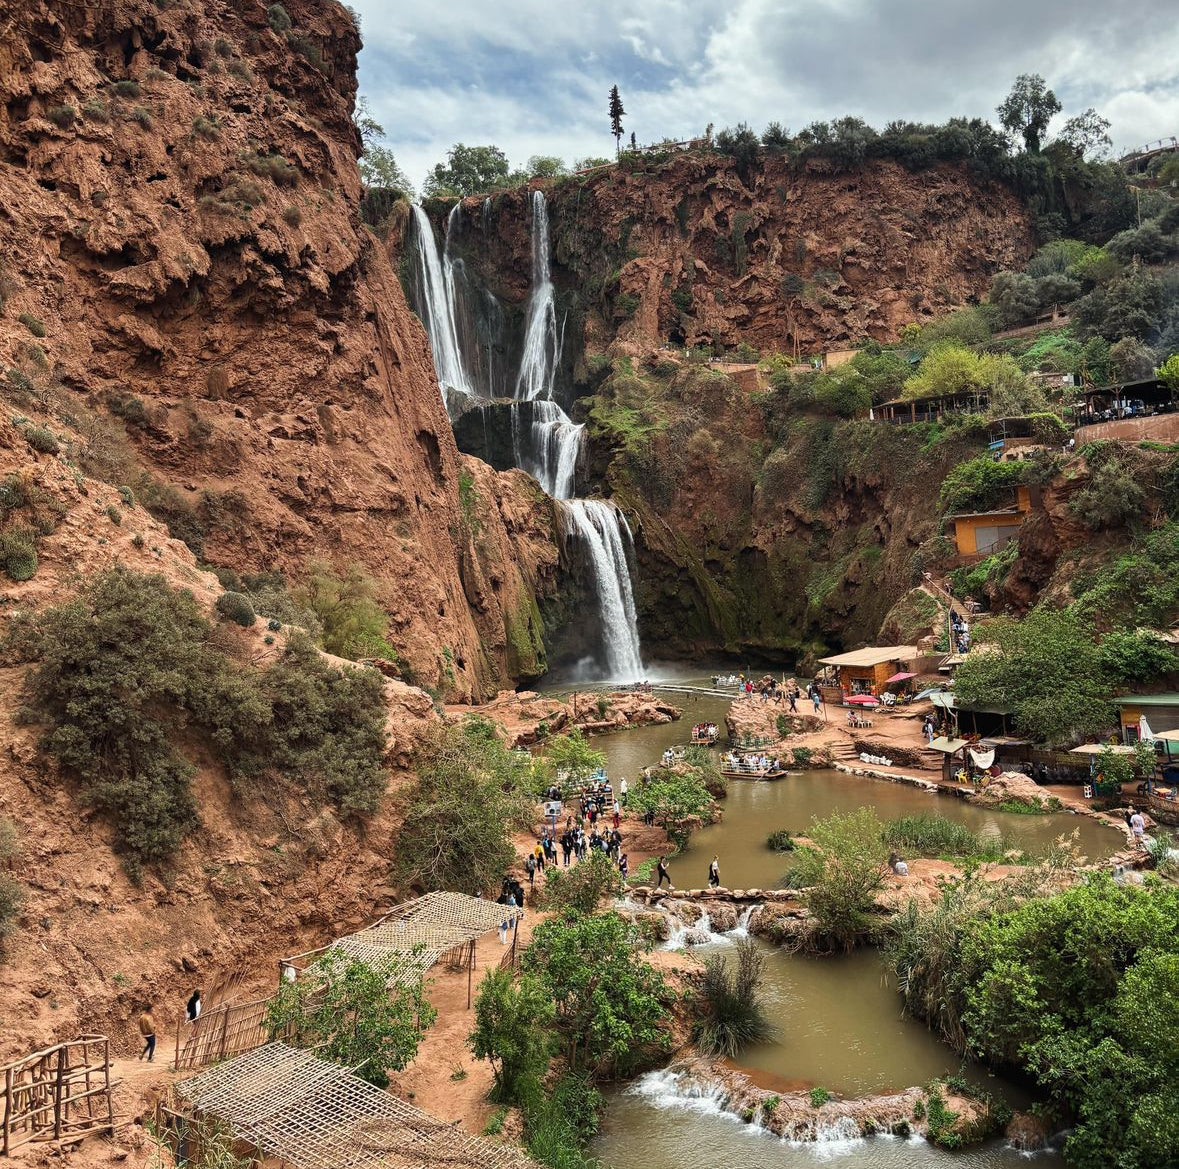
(533, 78)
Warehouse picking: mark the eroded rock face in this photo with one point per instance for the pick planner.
(180, 229)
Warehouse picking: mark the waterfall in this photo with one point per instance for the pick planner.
(542, 339)
(600, 526)
(550, 447)
(438, 299)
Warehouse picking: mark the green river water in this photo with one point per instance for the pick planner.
(839, 1022)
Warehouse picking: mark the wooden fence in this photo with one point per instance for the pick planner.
(227, 1030)
(60, 1094)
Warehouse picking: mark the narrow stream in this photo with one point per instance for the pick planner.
(839, 1019)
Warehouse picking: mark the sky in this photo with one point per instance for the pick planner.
(533, 76)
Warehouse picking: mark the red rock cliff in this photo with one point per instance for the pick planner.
(182, 249)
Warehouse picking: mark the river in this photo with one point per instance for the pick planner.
(839, 1022)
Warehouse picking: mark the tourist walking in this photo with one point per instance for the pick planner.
(147, 1029)
(530, 869)
(1138, 827)
(662, 874)
(714, 873)
(623, 866)
(505, 925)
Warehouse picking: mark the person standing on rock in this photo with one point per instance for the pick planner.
(147, 1029)
(714, 873)
(662, 874)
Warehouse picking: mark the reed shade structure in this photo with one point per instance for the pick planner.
(313, 1114)
(409, 939)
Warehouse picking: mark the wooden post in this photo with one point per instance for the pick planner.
(7, 1109)
(176, 1060)
(515, 929)
(470, 970)
(106, 1069)
(57, 1095)
(224, 1027)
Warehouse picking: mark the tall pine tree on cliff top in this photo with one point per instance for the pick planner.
(616, 112)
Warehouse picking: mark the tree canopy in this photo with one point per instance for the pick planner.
(616, 115)
(1027, 110)
(468, 170)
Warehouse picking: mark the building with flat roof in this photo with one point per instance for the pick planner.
(867, 671)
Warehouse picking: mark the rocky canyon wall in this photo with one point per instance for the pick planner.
(187, 285)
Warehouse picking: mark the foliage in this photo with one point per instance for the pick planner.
(1129, 305)
(1140, 586)
(42, 440)
(1046, 669)
(1027, 110)
(978, 484)
(949, 369)
(545, 166)
(572, 754)
(18, 553)
(843, 872)
(584, 885)
(1135, 656)
(279, 18)
(559, 1120)
(1087, 133)
(379, 168)
(780, 841)
(729, 1015)
(468, 170)
(1114, 768)
(1168, 373)
(819, 1096)
(970, 325)
(512, 1031)
(1111, 499)
(12, 897)
(128, 662)
(353, 624)
(237, 608)
(673, 798)
(1081, 989)
(609, 1001)
(616, 115)
(936, 836)
(368, 1017)
(469, 793)
(742, 144)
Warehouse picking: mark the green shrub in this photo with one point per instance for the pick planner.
(62, 116)
(305, 47)
(819, 1097)
(353, 624)
(276, 167)
(925, 834)
(206, 127)
(18, 553)
(584, 885)
(236, 608)
(241, 71)
(42, 440)
(728, 1014)
(12, 899)
(141, 115)
(513, 1031)
(1111, 499)
(802, 756)
(292, 215)
(32, 323)
(780, 841)
(120, 667)
(126, 88)
(978, 484)
(278, 17)
(112, 514)
(368, 1016)
(127, 496)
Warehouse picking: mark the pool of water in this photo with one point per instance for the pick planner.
(753, 810)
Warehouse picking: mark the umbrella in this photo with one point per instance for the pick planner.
(903, 676)
(863, 700)
(927, 692)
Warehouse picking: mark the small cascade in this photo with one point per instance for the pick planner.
(600, 527)
(542, 338)
(550, 450)
(437, 294)
(668, 1089)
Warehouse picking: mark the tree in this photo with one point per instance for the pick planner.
(369, 129)
(1130, 360)
(1111, 498)
(572, 756)
(610, 1011)
(1087, 134)
(616, 116)
(775, 136)
(468, 170)
(470, 793)
(378, 168)
(353, 624)
(513, 1022)
(1168, 373)
(370, 1017)
(584, 885)
(1027, 110)
(674, 799)
(1046, 669)
(543, 166)
(843, 871)
(743, 144)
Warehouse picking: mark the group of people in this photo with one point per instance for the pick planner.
(708, 731)
(751, 764)
(960, 632)
(147, 1023)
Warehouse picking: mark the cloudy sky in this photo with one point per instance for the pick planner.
(532, 76)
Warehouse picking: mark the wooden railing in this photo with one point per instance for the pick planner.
(60, 1094)
(221, 1032)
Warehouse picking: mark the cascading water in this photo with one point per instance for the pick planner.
(549, 447)
(438, 300)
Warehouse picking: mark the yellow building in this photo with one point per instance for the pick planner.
(984, 532)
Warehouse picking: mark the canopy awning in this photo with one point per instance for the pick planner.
(863, 700)
(943, 698)
(928, 691)
(903, 676)
(950, 662)
(1097, 748)
(947, 746)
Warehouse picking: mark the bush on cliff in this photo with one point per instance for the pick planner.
(119, 669)
(353, 624)
(471, 792)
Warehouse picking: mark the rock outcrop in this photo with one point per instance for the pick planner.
(186, 282)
